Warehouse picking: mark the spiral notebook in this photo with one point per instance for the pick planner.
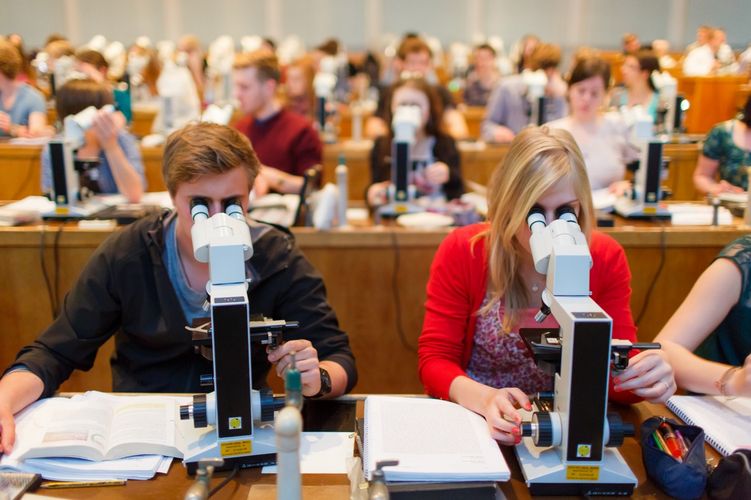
(433, 440)
(726, 422)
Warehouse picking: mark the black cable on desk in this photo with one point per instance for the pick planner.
(45, 274)
(226, 480)
(395, 293)
(650, 289)
(56, 254)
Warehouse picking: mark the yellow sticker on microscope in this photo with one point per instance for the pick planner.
(583, 472)
(229, 448)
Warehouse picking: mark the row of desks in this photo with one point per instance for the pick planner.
(375, 278)
(20, 167)
(250, 483)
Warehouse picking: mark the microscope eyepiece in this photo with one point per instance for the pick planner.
(199, 207)
(536, 215)
(233, 208)
(566, 212)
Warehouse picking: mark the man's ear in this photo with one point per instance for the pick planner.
(269, 87)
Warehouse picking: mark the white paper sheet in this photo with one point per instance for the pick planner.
(323, 453)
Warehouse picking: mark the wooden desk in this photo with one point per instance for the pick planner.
(375, 278)
(250, 483)
(20, 167)
(712, 99)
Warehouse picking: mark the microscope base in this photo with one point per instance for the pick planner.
(263, 451)
(77, 211)
(631, 209)
(395, 209)
(546, 474)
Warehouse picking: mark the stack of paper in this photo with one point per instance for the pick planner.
(433, 440)
(25, 211)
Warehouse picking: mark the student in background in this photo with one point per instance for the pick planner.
(299, 95)
(143, 285)
(286, 143)
(640, 90)
(23, 111)
(509, 109)
(92, 64)
(107, 142)
(483, 288)
(437, 172)
(726, 154)
(602, 138)
(483, 78)
(708, 338)
(416, 61)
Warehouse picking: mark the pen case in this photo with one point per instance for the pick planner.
(682, 480)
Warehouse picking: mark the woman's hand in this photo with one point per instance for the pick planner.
(377, 193)
(725, 187)
(306, 361)
(740, 382)
(437, 173)
(649, 375)
(499, 410)
(619, 188)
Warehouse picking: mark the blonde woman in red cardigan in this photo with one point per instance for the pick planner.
(483, 287)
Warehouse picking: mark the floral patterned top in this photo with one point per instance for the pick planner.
(500, 360)
(733, 160)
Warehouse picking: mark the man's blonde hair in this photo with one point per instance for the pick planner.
(538, 159)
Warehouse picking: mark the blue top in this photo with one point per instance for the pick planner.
(28, 100)
(191, 301)
(652, 108)
(104, 178)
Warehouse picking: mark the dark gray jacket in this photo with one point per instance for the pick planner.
(125, 291)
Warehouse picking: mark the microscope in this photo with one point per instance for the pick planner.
(643, 200)
(570, 448)
(324, 83)
(236, 411)
(536, 81)
(402, 191)
(74, 180)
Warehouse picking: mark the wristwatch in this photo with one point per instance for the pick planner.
(325, 384)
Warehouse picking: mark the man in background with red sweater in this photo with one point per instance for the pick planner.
(286, 143)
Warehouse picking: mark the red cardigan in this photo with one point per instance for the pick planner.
(457, 287)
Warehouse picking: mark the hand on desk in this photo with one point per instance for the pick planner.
(306, 360)
(649, 375)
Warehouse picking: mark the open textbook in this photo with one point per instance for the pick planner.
(726, 421)
(97, 426)
(433, 440)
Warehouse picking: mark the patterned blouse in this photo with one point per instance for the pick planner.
(733, 160)
(500, 360)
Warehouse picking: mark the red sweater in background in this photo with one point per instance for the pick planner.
(286, 141)
(457, 287)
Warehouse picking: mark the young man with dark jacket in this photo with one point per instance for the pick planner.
(143, 285)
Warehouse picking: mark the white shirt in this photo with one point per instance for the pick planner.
(699, 62)
(605, 147)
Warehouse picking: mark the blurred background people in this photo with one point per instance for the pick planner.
(434, 155)
(482, 78)
(23, 111)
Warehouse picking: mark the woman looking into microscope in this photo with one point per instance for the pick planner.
(483, 288)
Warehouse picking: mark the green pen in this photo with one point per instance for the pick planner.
(659, 442)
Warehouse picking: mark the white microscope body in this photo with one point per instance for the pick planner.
(223, 240)
(567, 451)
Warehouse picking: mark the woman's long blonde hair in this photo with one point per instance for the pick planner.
(539, 158)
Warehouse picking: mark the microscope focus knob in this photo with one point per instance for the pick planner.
(544, 429)
(617, 430)
(184, 412)
(200, 416)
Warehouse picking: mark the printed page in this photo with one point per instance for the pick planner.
(61, 427)
(432, 439)
(141, 425)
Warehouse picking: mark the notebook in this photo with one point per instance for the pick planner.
(433, 440)
(726, 422)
